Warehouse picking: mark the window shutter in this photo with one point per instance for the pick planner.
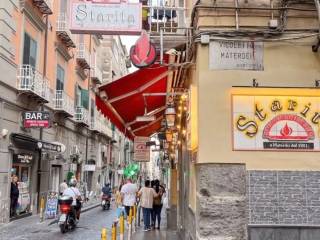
(85, 98)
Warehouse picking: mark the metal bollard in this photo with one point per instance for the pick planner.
(130, 224)
(121, 220)
(41, 209)
(114, 232)
(104, 234)
(134, 218)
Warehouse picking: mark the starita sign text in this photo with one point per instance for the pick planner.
(276, 123)
(106, 18)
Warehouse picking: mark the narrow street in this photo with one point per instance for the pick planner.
(89, 227)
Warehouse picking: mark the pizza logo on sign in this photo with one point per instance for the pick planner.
(143, 53)
(288, 127)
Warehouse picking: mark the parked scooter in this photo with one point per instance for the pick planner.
(105, 201)
(67, 219)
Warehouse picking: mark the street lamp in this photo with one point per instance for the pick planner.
(169, 136)
(170, 115)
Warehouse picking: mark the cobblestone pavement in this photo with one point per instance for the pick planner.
(89, 227)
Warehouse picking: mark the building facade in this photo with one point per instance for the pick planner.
(249, 165)
(50, 70)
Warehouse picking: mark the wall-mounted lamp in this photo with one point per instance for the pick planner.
(317, 83)
(255, 83)
(4, 132)
(170, 115)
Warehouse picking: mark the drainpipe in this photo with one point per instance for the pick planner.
(316, 46)
(88, 131)
(42, 109)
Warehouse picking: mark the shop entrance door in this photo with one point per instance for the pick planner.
(55, 173)
(23, 173)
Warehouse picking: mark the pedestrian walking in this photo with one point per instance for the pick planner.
(157, 204)
(14, 196)
(128, 194)
(147, 194)
(63, 186)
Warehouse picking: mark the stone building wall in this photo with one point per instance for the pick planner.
(221, 202)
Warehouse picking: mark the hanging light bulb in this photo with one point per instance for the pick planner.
(184, 132)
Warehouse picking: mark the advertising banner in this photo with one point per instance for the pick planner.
(276, 123)
(109, 19)
(141, 150)
(52, 205)
(236, 55)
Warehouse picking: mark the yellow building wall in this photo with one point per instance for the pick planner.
(285, 65)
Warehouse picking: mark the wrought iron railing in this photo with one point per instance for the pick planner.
(29, 79)
(81, 115)
(63, 102)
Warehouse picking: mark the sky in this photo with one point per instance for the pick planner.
(128, 41)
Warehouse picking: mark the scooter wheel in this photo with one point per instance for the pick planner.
(63, 228)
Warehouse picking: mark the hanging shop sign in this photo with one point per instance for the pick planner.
(276, 123)
(108, 19)
(22, 158)
(236, 55)
(49, 146)
(52, 205)
(141, 150)
(89, 168)
(35, 119)
(143, 53)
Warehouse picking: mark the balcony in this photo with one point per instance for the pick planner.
(166, 22)
(45, 6)
(63, 31)
(81, 116)
(95, 124)
(96, 75)
(32, 83)
(106, 127)
(63, 103)
(83, 56)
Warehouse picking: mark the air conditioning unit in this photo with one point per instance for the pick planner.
(75, 150)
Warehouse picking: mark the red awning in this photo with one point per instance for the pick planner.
(134, 95)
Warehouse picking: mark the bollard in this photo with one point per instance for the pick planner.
(41, 209)
(104, 234)
(121, 227)
(114, 232)
(134, 218)
(130, 224)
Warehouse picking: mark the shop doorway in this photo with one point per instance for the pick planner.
(56, 179)
(23, 172)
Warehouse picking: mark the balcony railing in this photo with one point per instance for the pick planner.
(95, 123)
(81, 115)
(63, 103)
(83, 56)
(63, 30)
(31, 81)
(45, 6)
(169, 17)
(106, 127)
(96, 74)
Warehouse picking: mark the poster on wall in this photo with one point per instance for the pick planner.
(236, 55)
(141, 150)
(52, 205)
(276, 123)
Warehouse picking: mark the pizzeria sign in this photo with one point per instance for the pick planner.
(275, 123)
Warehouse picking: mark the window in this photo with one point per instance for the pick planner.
(92, 108)
(82, 97)
(64, 6)
(60, 78)
(77, 101)
(29, 51)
